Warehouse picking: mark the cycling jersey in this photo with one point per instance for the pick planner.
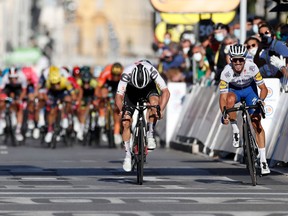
(126, 78)
(31, 76)
(63, 85)
(233, 80)
(105, 79)
(88, 92)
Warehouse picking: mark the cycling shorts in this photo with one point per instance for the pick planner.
(250, 95)
(30, 89)
(53, 97)
(13, 91)
(133, 95)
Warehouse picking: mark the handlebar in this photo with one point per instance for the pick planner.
(144, 107)
(244, 107)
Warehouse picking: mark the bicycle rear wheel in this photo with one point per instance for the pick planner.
(140, 162)
(249, 152)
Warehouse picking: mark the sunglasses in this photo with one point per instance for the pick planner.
(265, 33)
(250, 46)
(235, 60)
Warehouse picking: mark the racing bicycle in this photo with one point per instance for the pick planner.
(250, 147)
(139, 147)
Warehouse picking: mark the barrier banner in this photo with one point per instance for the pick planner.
(276, 144)
(174, 107)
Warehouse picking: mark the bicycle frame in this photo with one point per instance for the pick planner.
(9, 127)
(249, 145)
(139, 148)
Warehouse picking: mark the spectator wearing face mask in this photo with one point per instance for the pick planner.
(220, 32)
(252, 44)
(172, 58)
(203, 71)
(186, 50)
(268, 47)
(284, 33)
(257, 20)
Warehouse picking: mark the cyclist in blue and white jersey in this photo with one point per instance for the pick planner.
(238, 80)
(140, 81)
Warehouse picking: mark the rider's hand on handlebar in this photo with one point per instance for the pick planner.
(261, 101)
(225, 119)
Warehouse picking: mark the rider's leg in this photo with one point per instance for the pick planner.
(117, 125)
(152, 115)
(126, 135)
(260, 135)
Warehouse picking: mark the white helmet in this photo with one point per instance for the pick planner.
(237, 50)
(13, 72)
(140, 76)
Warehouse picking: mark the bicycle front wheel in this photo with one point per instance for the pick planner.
(249, 153)
(140, 162)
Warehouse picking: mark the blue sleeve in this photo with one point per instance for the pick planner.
(281, 49)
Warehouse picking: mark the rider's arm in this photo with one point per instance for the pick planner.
(222, 101)
(119, 101)
(164, 99)
(263, 91)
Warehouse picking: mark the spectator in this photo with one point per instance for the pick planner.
(186, 50)
(220, 32)
(252, 44)
(269, 46)
(249, 28)
(256, 22)
(228, 41)
(171, 58)
(203, 70)
(284, 33)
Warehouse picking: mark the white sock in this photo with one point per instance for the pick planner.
(262, 153)
(150, 129)
(234, 126)
(127, 148)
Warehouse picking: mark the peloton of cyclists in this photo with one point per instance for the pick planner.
(140, 80)
(107, 83)
(240, 79)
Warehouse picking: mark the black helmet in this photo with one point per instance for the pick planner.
(86, 76)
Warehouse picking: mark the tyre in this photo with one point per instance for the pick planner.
(249, 154)
(141, 152)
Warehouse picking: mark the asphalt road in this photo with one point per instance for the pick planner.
(86, 181)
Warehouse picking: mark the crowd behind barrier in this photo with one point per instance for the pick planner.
(199, 123)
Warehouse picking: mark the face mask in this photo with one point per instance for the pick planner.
(284, 38)
(266, 39)
(278, 33)
(197, 56)
(167, 41)
(237, 33)
(253, 51)
(186, 50)
(255, 28)
(219, 37)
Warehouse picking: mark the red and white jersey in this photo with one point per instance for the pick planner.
(31, 76)
(126, 77)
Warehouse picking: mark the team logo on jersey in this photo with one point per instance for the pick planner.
(227, 74)
(223, 85)
(153, 74)
(252, 68)
(258, 76)
(125, 77)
